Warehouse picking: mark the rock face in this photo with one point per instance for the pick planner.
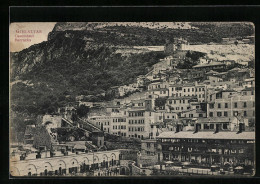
(68, 45)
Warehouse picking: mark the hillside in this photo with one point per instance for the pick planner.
(50, 74)
(89, 58)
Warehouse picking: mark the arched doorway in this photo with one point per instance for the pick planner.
(84, 165)
(124, 170)
(48, 169)
(73, 166)
(14, 171)
(30, 170)
(104, 163)
(95, 165)
(61, 168)
(113, 159)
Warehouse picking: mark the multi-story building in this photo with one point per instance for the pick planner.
(136, 119)
(179, 104)
(189, 90)
(207, 148)
(193, 113)
(119, 124)
(148, 155)
(229, 103)
(102, 121)
(160, 92)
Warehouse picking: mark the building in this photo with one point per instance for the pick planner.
(102, 121)
(210, 66)
(63, 165)
(119, 123)
(189, 90)
(179, 104)
(136, 120)
(29, 134)
(148, 155)
(229, 103)
(207, 148)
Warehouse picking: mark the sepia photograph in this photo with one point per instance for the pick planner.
(132, 99)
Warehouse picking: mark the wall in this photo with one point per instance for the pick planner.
(36, 166)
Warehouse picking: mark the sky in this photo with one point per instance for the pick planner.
(19, 43)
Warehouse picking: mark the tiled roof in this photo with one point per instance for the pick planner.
(214, 120)
(208, 135)
(210, 64)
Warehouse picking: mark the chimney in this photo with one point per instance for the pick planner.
(196, 128)
(241, 128)
(217, 128)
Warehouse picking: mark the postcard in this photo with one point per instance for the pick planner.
(116, 99)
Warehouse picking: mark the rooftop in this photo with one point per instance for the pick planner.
(208, 135)
(210, 64)
(214, 120)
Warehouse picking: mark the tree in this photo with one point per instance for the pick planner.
(82, 111)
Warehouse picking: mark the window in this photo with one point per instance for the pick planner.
(206, 126)
(225, 151)
(184, 90)
(148, 145)
(233, 151)
(235, 113)
(218, 95)
(170, 102)
(241, 151)
(225, 114)
(200, 115)
(219, 114)
(235, 105)
(211, 114)
(245, 113)
(211, 126)
(226, 105)
(211, 106)
(219, 105)
(244, 104)
(225, 126)
(253, 104)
